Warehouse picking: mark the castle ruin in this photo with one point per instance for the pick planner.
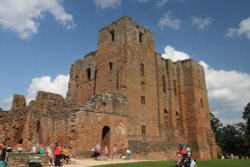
(124, 93)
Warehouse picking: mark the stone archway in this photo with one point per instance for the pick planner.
(105, 137)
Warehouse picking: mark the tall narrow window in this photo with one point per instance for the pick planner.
(165, 116)
(88, 71)
(112, 33)
(110, 66)
(142, 99)
(177, 115)
(201, 101)
(175, 90)
(37, 126)
(142, 69)
(177, 119)
(140, 37)
(143, 129)
(163, 83)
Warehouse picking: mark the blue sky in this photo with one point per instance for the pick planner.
(40, 39)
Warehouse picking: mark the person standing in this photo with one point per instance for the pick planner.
(49, 153)
(97, 150)
(58, 155)
(188, 151)
(4, 157)
(105, 152)
(114, 151)
(128, 154)
(65, 153)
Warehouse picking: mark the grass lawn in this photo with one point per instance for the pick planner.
(201, 163)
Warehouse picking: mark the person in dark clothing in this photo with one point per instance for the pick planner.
(4, 156)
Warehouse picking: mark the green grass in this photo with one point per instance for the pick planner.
(201, 163)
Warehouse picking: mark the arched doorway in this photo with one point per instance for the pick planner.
(105, 136)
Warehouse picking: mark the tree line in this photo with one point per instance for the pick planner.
(235, 138)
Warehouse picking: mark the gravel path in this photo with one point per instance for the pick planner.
(91, 162)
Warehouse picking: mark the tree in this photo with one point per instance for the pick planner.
(246, 116)
(216, 127)
(232, 140)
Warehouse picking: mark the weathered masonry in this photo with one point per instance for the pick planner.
(124, 93)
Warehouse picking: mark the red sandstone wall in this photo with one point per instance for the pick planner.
(82, 84)
(109, 95)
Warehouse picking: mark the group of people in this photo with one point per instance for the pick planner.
(96, 150)
(184, 155)
(55, 153)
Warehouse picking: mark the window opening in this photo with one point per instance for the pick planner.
(201, 101)
(88, 73)
(142, 69)
(165, 116)
(143, 129)
(140, 37)
(175, 90)
(110, 66)
(112, 33)
(142, 99)
(37, 126)
(163, 83)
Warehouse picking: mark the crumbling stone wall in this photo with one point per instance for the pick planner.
(124, 93)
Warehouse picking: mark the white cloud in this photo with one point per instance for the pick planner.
(168, 21)
(174, 55)
(231, 121)
(200, 22)
(7, 103)
(143, 1)
(107, 3)
(161, 3)
(59, 85)
(243, 29)
(228, 91)
(23, 16)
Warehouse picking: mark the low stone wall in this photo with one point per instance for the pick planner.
(22, 159)
(154, 150)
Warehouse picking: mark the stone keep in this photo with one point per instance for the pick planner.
(124, 93)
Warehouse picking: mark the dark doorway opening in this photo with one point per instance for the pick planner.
(105, 136)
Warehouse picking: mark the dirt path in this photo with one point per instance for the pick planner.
(91, 162)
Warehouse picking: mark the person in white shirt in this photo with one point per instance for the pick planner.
(193, 163)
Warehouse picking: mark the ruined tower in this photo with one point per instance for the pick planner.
(125, 93)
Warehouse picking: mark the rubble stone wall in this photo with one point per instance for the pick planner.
(123, 93)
